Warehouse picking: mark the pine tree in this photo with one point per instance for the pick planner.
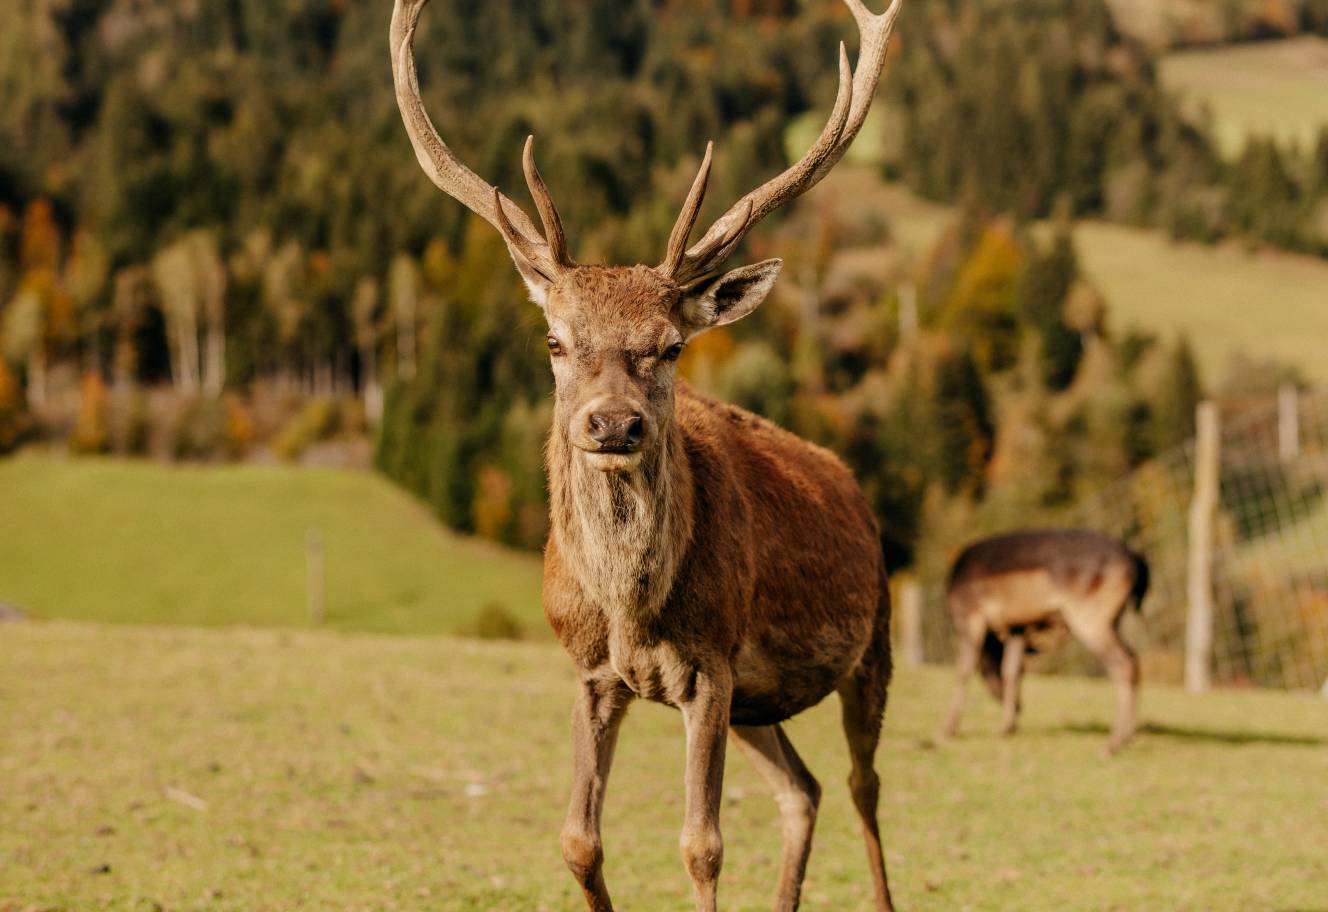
(1173, 414)
(1042, 293)
(965, 431)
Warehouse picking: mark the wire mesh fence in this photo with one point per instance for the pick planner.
(1269, 554)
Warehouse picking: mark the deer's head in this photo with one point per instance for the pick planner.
(615, 333)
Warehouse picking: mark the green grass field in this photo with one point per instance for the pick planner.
(144, 543)
(1276, 88)
(253, 770)
(1227, 298)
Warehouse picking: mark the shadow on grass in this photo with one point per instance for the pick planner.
(1209, 735)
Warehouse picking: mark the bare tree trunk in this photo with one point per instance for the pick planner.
(406, 348)
(371, 389)
(37, 379)
(187, 343)
(215, 369)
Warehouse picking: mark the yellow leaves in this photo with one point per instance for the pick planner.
(22, 329)
(320, 266)
(492, 508)
(437, 264)
(240, 429)
(92, 432)
(982, 304)
(705, 354)
(40, 243)
(11, 404)
(986, 281)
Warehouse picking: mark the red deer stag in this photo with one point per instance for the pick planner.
(699, 556)
(1011, 594)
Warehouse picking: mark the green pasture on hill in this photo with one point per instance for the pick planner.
(1227, 299)
(139, 542)
(256, 770)
(1270, 88)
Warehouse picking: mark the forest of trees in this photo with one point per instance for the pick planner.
(1021, 107)
(214, 236)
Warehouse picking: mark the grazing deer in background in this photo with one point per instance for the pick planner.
(1008, 595)
(699, 556)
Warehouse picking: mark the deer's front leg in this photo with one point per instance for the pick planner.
(706, 717)
(596, 718)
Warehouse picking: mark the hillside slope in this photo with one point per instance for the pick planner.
(1272, 88)
(1227, 298)
(143, 543)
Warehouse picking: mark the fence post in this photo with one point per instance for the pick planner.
(910, 621)
(314, 580)
(1288, 422)
(1203, 508)
(908, 315)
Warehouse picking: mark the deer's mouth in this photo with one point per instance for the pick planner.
(615, 459)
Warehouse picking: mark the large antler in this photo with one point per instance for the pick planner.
(856, 91)
(546, 253)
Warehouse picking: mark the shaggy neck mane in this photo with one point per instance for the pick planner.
(621, 534)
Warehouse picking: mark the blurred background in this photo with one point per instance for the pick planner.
(255, 370)
(1065, 224)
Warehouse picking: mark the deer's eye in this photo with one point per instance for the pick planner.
(555, 347)
(673, 352)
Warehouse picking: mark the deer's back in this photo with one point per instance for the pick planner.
(1025, 578)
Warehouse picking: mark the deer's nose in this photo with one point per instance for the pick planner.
(616, 430)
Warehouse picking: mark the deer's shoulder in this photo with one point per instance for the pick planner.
(717, 426)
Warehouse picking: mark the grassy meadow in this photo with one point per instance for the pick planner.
(254, 770)
(1228, 299)
(143, 543)
(1272, 88)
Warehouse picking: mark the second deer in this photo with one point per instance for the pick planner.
(1008, 595)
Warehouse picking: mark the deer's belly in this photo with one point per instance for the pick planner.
(778, 680)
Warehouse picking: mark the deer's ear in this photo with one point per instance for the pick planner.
(730, 297)
(536, 282)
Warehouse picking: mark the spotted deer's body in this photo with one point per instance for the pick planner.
(698, 555)
(1013, 594)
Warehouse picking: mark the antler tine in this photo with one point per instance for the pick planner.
(446, 171)
(515, 239)
(856, 92)
(682, 229)
(554, 235)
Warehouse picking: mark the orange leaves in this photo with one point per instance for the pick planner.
(40, 244)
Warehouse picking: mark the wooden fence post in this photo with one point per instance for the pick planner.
(1288, 422)
(908, 316)
(1203, 509)
(314, 580)
(910, 621)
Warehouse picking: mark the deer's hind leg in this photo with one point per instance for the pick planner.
(1103, 639)
(1012, 673)
(970, 639)
(1123, 670)
(862, 695)
(796, 792)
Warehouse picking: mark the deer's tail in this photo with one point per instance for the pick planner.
(1141, 581)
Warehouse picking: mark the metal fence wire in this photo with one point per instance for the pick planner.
(1269, 554)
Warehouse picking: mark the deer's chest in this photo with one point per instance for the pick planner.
(655, 671)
